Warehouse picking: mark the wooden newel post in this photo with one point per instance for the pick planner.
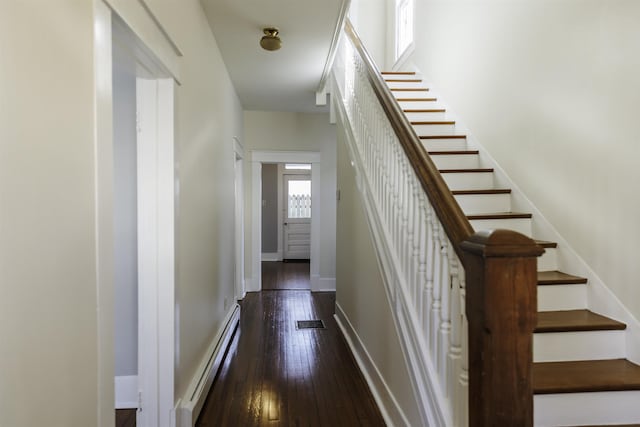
(501, 306)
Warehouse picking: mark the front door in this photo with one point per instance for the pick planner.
(297, 216)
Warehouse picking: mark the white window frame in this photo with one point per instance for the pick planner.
(404, 27)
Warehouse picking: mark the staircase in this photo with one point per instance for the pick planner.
(581, 375)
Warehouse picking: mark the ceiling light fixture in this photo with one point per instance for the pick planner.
(270, 40)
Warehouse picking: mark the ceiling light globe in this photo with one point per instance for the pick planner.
(270, 41)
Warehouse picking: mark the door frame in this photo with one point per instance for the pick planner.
(254, 284)
(156, 344)
(239, 219)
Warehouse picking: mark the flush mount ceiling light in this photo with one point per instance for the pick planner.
(270, 40)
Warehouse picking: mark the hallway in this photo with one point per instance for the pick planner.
(276, 374)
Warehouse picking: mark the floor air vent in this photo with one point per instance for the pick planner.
(309, 324)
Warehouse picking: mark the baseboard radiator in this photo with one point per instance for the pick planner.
(201, 383)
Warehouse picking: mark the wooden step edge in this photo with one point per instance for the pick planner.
(402, 73)
(392, 80)
(474, 170)
(426, 110)
(546, 278)
(611, 425)
(443, 136)
(453, 152)
(575, 321)
(547, 245)
(416, 99)
(500, 215)
(585, 376)
(441, 122)
(481, 192)
(409, 89)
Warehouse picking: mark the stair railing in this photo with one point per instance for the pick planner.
(464, 302)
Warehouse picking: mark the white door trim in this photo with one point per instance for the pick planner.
(162, 179)
(239, 219)
(156, 251)
(257, 158)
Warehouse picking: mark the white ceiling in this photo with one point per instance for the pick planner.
(284, 80)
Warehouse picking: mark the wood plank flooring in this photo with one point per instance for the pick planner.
(275, 374)
(126, 418)
(285, 275)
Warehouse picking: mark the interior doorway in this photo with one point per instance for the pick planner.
(144, 155)
(312, 163)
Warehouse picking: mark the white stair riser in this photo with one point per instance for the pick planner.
(435, 129)
(562, 297)
(549, 260)
(588, 345)
(412, 94)
(405, 84)
(419, 105)
(425, 117)
(479, 203)
(469, 180)
(521, 225)
(572, 409)
(445, 144)
(456, 161)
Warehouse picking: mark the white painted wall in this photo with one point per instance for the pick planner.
(48, 322)
(283, 131)
(360, 290)
(49, 356)
(369, 17)
(270, 208)
(125, 215)
(550, 89)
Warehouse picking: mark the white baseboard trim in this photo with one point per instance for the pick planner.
(200, 384)
(271, 256)
(387, 403)
(324, 284)
(126, 391)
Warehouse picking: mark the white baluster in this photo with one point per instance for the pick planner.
(455, 349)
(445, 321)
(437, 288)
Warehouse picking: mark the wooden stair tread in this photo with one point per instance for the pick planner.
(499, 215)
(575, 321)
(559, 278)
(417, 99)
(546, 244)
(441, 122)
(401, 73)
(424, 110)
(453, 152)
(409, 89)
(443, 136)
(611, 425)
(474, 170)
(488, 191)
(394, 80)
(585, 376)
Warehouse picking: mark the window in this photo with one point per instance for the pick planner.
(404, 26)
(297, 166)
(299, 199)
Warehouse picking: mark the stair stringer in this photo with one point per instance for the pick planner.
(433, 404)
(600, 298)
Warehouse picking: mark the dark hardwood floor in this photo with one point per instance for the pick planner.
(125, 418)
(285, 275)
(275, 374)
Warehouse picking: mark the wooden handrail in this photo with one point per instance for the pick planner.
(455, 223)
